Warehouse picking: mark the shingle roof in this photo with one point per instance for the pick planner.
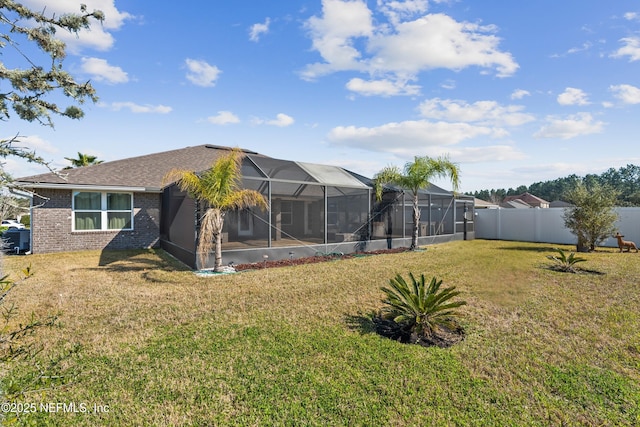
(527, 198)
(515, 203)
(479, 203)
(145, 171)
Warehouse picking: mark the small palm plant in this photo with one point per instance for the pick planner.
(421, 307)
(564, 262)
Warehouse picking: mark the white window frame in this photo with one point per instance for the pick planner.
(104, 212)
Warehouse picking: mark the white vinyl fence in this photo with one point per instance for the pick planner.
(545, 225)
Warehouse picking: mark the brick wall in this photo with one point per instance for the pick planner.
(51, 225)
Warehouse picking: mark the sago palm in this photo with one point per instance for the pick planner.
(421, 306)
(564, 262)
(416, 176)
(219, 190)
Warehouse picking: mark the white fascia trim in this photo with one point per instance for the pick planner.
(90, 187)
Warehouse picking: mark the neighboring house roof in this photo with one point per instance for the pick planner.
(560, 204)
(483, 204)
(515, 204)
(529, 199)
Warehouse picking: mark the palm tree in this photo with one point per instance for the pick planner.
(83, 160)
(219, 189)
(415, 177)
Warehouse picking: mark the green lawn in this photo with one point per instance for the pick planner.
(141, 340)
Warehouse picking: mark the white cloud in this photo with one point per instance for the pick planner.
(137, 108)
(408, 137)
(334, 34)
(382, 87)
(439, 41)
(489, 153)
(448, 84)
(18, 167)
(114, 18)
(347, 39)
(585, 46)
(98, 36)
(223, 118)
(257, 30)
(398, 10)
(573, 126)
(573, 96)
(281, 120)
(101, 71)
(626, 93)
(33, 143)
(520, 93)
(481, 112)
(201, 73)
(631, 49)
(632, 16)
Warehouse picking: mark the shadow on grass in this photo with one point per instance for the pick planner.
(577, 270)
(530, 248)
(442, 337)
(568, 247)
(139, 260)
(361, 323)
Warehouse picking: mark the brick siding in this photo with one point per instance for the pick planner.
(51, 225)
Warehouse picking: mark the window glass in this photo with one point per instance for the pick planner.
(88, 221)
(118, 202)
(87, 201)
(119, 220)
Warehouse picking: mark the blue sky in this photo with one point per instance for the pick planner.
(514, 92)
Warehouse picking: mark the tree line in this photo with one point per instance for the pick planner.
(625, 181)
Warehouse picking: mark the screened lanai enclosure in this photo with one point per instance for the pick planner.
(313, 209)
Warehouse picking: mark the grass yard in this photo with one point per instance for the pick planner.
(142, 341)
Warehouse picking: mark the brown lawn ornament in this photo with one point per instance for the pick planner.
(622, 244)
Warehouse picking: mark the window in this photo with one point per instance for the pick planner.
(102, 211)
(245, 222)
(332, 213)
(286, 212)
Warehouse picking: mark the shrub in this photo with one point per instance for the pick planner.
(564, 262)
(420, 312)
(592, 218)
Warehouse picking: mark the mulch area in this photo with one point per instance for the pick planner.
(314, 259)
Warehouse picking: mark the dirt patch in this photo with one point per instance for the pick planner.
(314, 259)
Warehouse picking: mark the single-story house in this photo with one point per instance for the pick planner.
(483, 204)
(125, 204)
(524, 200)
(560, 204)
